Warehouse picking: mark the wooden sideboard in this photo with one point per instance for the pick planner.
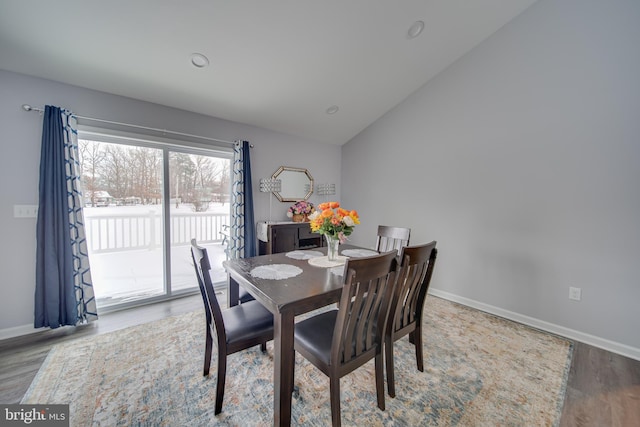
(288, 236)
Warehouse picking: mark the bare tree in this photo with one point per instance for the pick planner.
(115, 167)
(181, 181)
(137, 173)
(211, 180)
(92, 157)
(146, 174)
(223, 179)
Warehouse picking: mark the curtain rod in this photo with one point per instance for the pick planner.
(27, 107)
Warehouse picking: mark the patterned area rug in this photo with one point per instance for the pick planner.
(479, 370)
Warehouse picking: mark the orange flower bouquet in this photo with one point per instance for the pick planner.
(333, 221)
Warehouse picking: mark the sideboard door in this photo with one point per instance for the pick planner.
(285, 239)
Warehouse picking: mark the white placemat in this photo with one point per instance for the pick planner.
(323, 261)
(358, 253)
(275, 271)
(303, 254)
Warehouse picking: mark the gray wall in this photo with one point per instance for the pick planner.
(522, 161)
(20, 134)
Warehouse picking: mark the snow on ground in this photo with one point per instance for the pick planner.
(133, 274)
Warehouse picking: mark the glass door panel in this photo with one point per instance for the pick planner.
(199, 188)
(123, 220)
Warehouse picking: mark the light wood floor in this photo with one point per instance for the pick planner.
(603, 388)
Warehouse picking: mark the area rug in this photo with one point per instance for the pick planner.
(480, 370)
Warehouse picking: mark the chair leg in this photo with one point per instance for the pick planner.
(380, 380)
(334, 393)
(207, 352)
(222, 373)
(388, 348)
(263, 347)
(417, 337)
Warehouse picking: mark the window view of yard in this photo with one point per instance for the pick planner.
(136, 251)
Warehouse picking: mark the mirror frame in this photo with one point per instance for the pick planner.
(282, 169)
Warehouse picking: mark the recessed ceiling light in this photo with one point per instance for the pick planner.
(199, 60)
(333, 109)
(415, 29)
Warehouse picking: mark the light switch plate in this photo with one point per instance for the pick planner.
(25, 211)
(575, 293)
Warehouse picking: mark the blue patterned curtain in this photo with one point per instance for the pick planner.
(64, 290)
(242, 240)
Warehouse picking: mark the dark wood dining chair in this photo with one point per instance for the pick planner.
(390, 238)
(339, 341)
(405, 315)
(237, 328)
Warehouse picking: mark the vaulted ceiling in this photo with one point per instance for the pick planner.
(280, 65)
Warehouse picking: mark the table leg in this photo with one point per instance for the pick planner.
(283, 368)
(233, 292)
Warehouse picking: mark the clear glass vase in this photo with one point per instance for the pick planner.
(332, 247)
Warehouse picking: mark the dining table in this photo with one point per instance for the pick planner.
(288, 284)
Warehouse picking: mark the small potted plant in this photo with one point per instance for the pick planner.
(300, 211)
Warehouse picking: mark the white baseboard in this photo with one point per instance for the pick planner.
(17, 331)
(614, 347)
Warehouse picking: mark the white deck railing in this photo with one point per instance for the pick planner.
(116, 232)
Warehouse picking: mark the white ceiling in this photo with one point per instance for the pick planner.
(275, 64)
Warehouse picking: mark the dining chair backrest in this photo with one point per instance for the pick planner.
(363, 308)
(407, 305)
(390, 238)
(212, 308)
(411, 289)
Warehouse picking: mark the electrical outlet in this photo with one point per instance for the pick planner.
(575, 293)
(25, 211)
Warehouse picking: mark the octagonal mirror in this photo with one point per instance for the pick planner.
(296, 184)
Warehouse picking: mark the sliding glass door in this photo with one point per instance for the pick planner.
(144, 202)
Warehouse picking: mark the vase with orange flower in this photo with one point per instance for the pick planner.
(335, 223)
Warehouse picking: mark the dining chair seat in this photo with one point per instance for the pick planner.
(244, 296)
(244, 321)
(316, 334)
